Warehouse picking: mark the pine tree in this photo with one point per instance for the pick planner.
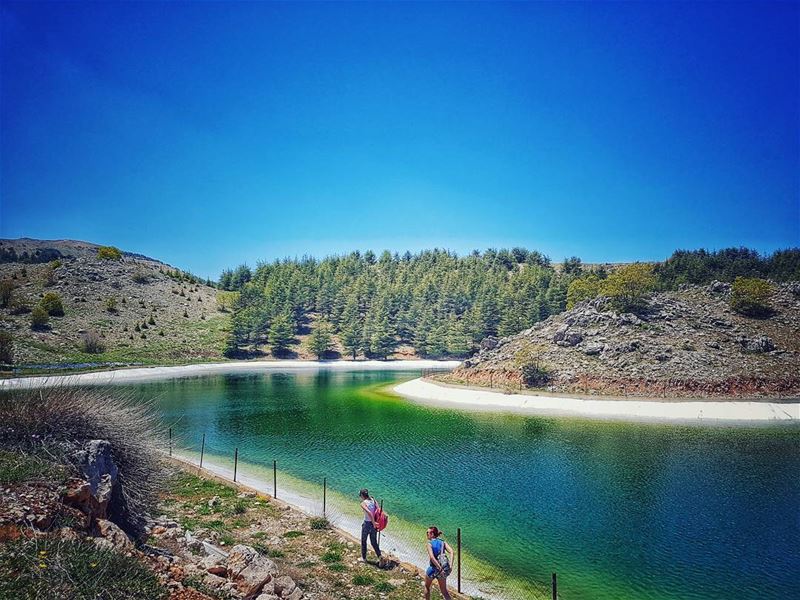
(320, 341)
(281, 334)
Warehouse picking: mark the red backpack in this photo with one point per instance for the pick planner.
(381, 518)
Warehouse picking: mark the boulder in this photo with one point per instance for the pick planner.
(284, 585)
(489, 343)
(114, 535)
(250, 570)
(594, 349)
(757, 345)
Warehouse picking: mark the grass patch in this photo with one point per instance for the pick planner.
(363, 579)
(17, 467)
(337, 567)
(383, 586)
(319, 523)
(45, 568)
(293, 534)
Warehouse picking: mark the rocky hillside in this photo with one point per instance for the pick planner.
(683, 344)
(139, 310)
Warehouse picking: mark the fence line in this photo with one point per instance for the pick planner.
(551, 591)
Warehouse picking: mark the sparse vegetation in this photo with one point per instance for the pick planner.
(59, 421)
(111, 304)
(6, 348)
(48, 567)
(751, 296)
(52, 303)
(91, 343)
(628, 286)
(7, 288)
(109, 253)
(39, 317)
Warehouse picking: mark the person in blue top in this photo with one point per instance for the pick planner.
(436, 548)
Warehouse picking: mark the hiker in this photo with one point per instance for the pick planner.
(368, 529)
(439, 567)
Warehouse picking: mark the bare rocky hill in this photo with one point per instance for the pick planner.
(142, 310)
(686, 343)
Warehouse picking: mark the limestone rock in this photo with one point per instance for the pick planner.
(113, 534)
(284, 585)
(249, 569)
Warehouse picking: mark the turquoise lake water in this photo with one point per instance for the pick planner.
(617, 510)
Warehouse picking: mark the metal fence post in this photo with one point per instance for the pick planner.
(379, 533)
(324, 494)
(555, 587)
(202, 450)
(459, 560)
(235, 463)
(274, 478)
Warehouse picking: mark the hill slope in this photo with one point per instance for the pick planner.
(686, 343)
(114, 299)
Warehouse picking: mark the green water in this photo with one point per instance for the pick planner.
(617, 510)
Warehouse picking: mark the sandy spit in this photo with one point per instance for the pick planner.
(699, 412)
(282, 366)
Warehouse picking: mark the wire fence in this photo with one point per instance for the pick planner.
(470, 576)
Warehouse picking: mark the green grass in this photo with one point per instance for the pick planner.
(16, 467)
(337, 567)
(47, 568)
(319, 523)
(293, 534)
(363, 579)
(383, 586)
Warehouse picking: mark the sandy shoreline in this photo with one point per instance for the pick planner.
(742, 412)
(142, 374)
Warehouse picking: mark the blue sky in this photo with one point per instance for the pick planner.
(210, 134)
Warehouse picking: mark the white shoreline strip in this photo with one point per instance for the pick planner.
(283, 366)
(432, 394)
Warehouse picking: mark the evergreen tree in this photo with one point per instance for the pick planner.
(281, 333)
(320, 341)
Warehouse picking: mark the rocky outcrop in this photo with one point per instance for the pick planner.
(684, 343)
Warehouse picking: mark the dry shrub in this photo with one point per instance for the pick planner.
(91, 343)
(59, 421)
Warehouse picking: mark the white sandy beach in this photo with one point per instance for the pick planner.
(432, 394)
(141, 374)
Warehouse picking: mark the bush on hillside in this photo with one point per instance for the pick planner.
(111, 304)
(751, 296)
(91, 343)
(629, 286)
(6, 292)
(140, 276)
(60, 421)
(531, 366)
(39, 317)
(583, 288)
(109, 253)
(6, 348)
(52, 303)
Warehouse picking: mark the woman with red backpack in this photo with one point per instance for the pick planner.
(440, 563)
(369, 526)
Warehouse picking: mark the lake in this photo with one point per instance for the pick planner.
(617, 510)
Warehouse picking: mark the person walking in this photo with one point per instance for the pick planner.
(368, 529)
(439, 567)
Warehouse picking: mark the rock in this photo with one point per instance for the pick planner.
(113, 534)
(284, 585)
(489, 343)
(214, 502)
(719, 287)
(594, 349)
(757, 345)
(214, 581)
(573, 337)
(295, 595)
(249, 569)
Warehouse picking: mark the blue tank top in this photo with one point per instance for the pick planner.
(438, 547)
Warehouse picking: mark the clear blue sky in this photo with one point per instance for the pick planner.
(212, 134)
